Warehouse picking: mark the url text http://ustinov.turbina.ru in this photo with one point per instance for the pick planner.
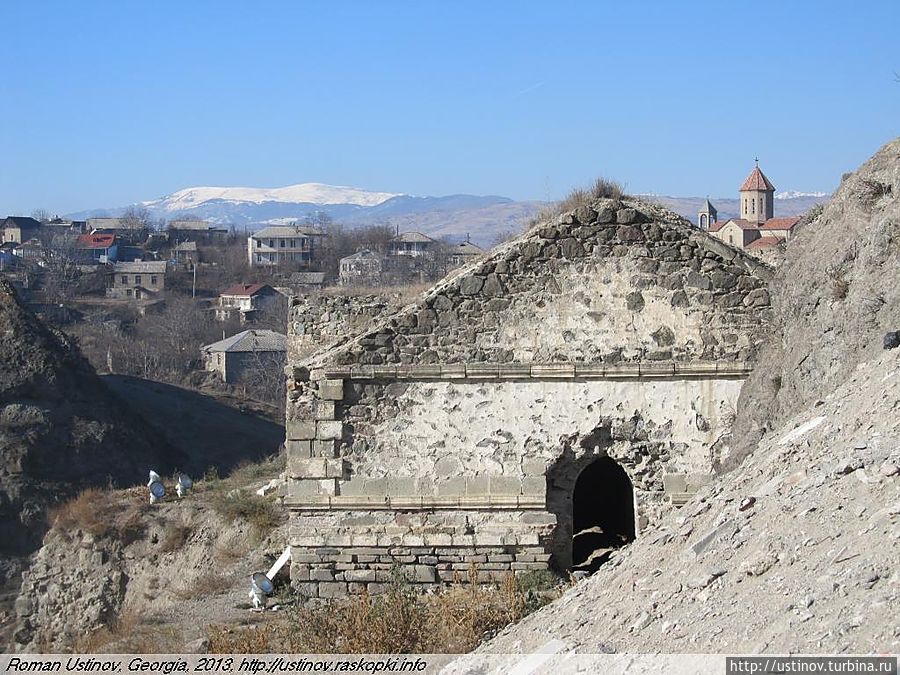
(765, 665)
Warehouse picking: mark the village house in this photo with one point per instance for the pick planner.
(283, 245)
(362, 268)
(307, 281)
(138, 280)
(19, 229)
(463, 252)
(413, 244)
(96, 249)
(185, 253)
(248, 355)
(248, 300)
(194, 230)
(757, 231)
(126, 229)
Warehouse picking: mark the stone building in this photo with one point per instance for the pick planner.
(535, 409)
(362, 268)
(137, 280)
(757, 231)
(246, 356)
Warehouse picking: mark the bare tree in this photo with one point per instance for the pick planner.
(42, 215)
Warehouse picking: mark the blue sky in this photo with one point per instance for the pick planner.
(108, 103)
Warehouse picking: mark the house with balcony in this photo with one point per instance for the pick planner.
(247, 300)
(413, 244)
(287, 245)
(96, 249)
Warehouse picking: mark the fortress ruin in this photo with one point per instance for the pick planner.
(534, 410)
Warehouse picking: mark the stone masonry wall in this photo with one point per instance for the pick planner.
(452, 431)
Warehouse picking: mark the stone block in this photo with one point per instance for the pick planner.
(505, 485)
(514, 370)
(329, 430)
(477, 486)
(333, 590)
(306, 589)
(301, 430)
(324, 410)
(331, 390)
(674, 482)
(401, 486)
(325, 448)
(452, 487)
(298, 448)
(482, 370)
(360, 576)
(553, 370)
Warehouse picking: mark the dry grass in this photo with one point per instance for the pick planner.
(456, 619)
(130, 633)
(240, 504)
(204, 586)
(101, 513)
(602, 188)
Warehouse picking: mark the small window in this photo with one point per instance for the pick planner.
(128, 292)
(283, 242)
(753, 206)
(153, 281)
(137, 279)
(257, 242)
(271, 243)
(124, 278)
(293, 243)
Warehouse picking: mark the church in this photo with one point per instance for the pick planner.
(757, 231)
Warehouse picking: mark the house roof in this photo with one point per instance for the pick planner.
(21, 221)
(365, 254)
(149, 267)
(780, 223)
(186, 246)
(308, 278)
(740, 222)
(412, 238)
(201, 225)
(276, 231)
(114, 224)
(467, 248)
(757, 181)
(91, 241)
(244, 290)
(764, 243)
(250, 341)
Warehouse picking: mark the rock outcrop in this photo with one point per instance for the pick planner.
(61, 429)
(834, 296)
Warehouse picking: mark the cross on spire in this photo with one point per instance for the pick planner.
(756, 159)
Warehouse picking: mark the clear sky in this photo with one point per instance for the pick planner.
(108, 103)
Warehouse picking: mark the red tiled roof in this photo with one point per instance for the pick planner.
(740, 222)
(244, 289)
(96, 240)
(765, 242)
(757, 181)
(779, 223)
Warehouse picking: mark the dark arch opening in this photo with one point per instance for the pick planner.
(602, 512)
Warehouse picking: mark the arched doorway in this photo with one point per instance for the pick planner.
(602, 513)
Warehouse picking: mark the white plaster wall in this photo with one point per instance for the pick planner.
(444, 430)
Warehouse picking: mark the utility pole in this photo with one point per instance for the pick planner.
(194, 282)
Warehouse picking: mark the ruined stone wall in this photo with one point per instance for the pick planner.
(319, 320)
(453, 431)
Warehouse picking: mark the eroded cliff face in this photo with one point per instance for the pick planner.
(60, 428)
(835, 296)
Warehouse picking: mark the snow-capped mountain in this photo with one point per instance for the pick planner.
(456, 217)
(302, 193)
(794, 194)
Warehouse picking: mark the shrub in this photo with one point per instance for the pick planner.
(100, 513)
(454, 619)
(602, 188)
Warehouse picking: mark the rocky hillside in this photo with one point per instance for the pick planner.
(795, 549)
(61, 429)
(836, 296)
